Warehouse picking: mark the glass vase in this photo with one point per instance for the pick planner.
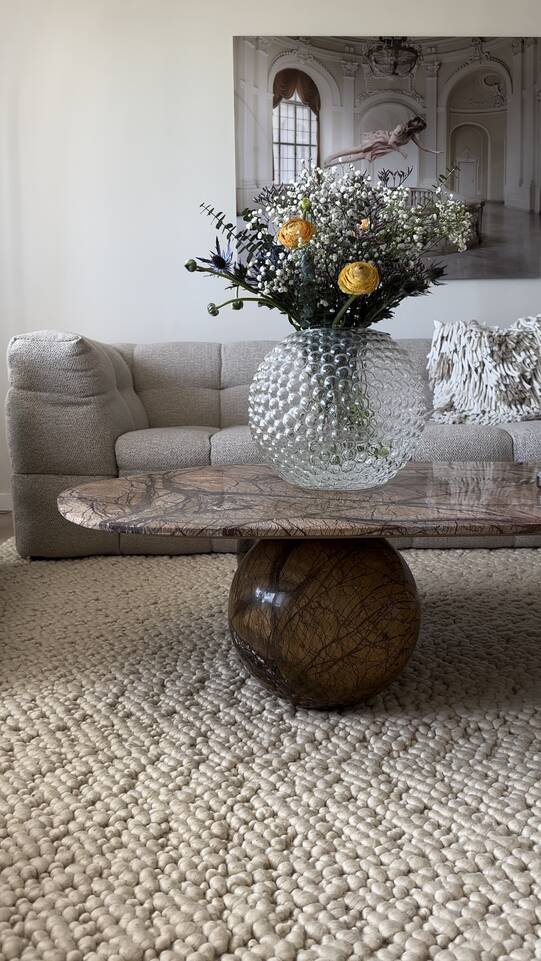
(337, 409)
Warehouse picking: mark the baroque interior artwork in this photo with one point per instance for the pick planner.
(462, 112)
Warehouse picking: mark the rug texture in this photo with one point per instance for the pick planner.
(156, 803)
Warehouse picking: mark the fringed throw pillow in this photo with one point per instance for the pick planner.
(486, 375)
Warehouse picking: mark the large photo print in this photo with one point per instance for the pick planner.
(456, 113)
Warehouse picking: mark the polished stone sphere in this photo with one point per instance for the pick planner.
(324, 622)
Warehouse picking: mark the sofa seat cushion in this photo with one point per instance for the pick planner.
(163, 448)
(439, 442)
(172, 448)
(234, 445)
(526, 438)
(448, 442)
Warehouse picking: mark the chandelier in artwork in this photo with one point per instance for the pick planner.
(392, 57)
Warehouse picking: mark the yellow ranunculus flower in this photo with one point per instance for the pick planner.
(359, 277)
(364, 224)
(296, 232)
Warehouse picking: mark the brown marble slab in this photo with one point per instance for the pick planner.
(252, 502)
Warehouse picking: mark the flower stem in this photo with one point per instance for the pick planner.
(235, 282)
(342, 311)
(260, 300)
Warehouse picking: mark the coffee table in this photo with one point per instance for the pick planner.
(322, 609)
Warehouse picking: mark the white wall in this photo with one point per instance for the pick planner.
(116, 118)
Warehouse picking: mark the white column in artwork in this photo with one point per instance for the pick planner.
(429, 138)
(529, 118)
(520, 129)
(537, 155)
(349, 70)
(514, 126)
(537, 160)
(263, 159)
(537, 128)
(245, 122)
(240, 142)
(442, 144)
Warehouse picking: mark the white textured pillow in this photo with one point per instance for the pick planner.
(486, 375)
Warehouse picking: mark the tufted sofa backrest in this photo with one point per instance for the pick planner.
(206, 384)
(194, 383)
(418, 352)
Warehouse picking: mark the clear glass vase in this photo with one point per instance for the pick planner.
(337, 409)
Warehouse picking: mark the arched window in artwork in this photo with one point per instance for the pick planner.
(295, 124)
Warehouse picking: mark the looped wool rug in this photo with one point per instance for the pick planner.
(156, 803)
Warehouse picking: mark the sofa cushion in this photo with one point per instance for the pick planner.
(439, 442)
(124, 385)
(418, 353)
(240, 365)
(234, 445)
(238, 369)
(178, 383)
(463, 442)
(172, 448)
(163, 448)
(182, 383)
(526, 438)
(69, 399)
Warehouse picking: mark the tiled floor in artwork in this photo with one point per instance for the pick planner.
(511, 247)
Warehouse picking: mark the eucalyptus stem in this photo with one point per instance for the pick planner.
(268, 301)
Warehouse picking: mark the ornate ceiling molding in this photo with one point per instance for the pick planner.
(363, 98)
(373, 87)
(446, 49)
(301, 54)
(484, 61)
(431, 67)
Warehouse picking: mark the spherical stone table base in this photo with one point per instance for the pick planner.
(324, 623)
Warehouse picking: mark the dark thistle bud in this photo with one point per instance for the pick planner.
(191, 265)
(237, 304)
(213, 310)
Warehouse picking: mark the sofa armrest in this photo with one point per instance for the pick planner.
(69, 400)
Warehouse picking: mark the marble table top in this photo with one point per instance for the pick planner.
(442, 499)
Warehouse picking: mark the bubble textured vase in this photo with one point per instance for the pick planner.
(337, 409)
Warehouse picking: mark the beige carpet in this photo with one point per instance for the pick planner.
(155, 802)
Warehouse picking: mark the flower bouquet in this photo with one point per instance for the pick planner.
(335, 251)
(335, 405)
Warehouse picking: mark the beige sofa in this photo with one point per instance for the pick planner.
(78, 410)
